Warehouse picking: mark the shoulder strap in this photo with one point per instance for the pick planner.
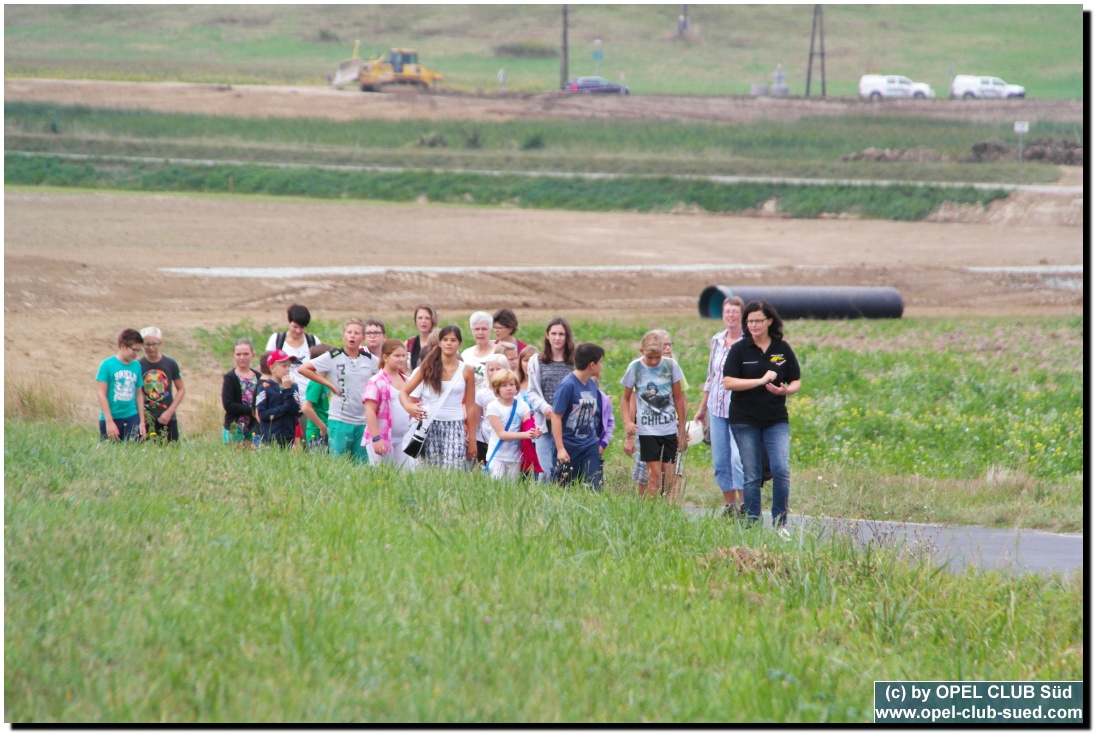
(448, 389)
(280, 341)
(501, 441)
(310, 339)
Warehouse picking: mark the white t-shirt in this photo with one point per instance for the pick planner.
(300, 353)
(469, 358)
(653, 386)
(350, 374)
(400, 420)
(483, 396)
(510, 450)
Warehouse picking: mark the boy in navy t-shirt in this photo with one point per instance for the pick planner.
(576, 419)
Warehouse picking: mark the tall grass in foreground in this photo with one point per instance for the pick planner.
(200, 583)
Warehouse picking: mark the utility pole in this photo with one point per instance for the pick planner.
(818, 31)
(682, 22)
(563, 72)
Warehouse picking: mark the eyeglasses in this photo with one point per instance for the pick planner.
(152, 344)
(373, 334)
(756, 321)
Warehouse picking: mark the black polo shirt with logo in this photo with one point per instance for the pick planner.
(757, 406)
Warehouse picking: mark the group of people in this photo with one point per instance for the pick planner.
(501, 405)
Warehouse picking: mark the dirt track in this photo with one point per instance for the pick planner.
(350, 104)
(79, 267)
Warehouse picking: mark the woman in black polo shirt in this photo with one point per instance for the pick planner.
(762, 371)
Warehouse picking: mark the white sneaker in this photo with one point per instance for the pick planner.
(783, 533)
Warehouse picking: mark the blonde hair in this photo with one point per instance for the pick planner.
(503, 377)
(502, 348)
(496, 357)
(655, 338)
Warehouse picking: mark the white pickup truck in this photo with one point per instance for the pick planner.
(877, 86)
(968, 87)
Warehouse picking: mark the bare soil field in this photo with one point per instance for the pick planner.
(79, 267)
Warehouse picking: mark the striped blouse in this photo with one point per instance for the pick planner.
(718, 398)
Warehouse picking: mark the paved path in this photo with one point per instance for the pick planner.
(1014, 550)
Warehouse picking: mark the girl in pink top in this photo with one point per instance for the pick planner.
(385, 419)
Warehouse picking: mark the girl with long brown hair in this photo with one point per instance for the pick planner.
(442, 393)
(545, 371)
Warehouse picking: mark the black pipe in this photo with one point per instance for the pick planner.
(806, 302)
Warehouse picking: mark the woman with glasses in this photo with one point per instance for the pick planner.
(476, 356)
(761, 370)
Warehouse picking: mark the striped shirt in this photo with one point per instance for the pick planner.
(718, 398)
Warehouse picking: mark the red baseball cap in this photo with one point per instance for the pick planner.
(278, 356)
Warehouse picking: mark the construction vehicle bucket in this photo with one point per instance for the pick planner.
(349, 70)
(347, 73)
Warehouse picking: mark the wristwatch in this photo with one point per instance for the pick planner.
(377, 438)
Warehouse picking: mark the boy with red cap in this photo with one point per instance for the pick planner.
(277, 403)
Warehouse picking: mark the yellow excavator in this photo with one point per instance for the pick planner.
(400, 66)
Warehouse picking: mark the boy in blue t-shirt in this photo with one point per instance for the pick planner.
(120, 391)
(576, 419)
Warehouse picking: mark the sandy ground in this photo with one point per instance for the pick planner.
(80, 267)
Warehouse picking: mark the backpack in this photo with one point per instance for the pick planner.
(309, 339)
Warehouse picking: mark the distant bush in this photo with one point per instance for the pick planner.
(432, 140)
(473, 138)
(526, 50)
(533, 142)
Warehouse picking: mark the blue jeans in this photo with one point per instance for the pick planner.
(545, 452)
(725, 456)
(776, 440)
(584, 466)
(129, 429)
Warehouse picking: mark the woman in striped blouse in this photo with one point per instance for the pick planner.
(716, 400)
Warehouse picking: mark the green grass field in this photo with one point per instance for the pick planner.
(732, 46)
(626, 193)
(200, 583)
(809, 147)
